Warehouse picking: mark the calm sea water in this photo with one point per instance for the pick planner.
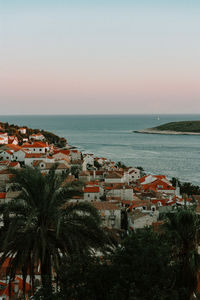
(111, 136)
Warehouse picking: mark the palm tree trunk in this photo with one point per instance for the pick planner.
(46, 274)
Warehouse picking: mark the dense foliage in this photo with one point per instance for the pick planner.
(146, 265)
(41, 227)
(186, 187)
(182, 126)
(51, 138)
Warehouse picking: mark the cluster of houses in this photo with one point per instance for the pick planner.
(125, 198)
(116, 192)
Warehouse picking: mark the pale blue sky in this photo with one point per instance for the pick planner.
(99, 56)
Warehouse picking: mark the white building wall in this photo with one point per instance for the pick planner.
(106, 218)
(6, 156)
(91, 197)
(114, 180)
(37, 149)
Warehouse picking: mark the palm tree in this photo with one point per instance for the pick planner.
(183, 229)
(43, 227)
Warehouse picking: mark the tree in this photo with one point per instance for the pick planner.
(186, 187)
(43, 227)
(97, 164)
(75, 170)
(142, 267)
(120, 165)
(182, 228)
(88, 278)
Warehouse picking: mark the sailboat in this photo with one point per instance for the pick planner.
(158, 118)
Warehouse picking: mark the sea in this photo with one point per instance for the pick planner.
(112, 136)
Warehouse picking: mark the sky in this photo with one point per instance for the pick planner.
(99, 57)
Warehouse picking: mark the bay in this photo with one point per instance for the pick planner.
(112, 136)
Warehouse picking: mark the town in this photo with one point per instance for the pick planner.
(125, 197)
(111, 187)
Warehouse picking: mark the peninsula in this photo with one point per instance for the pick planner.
(176, 128)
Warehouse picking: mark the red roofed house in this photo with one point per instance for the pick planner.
(46, 166)
(37, 137)
(13, 140)
(22, 130)
(75, 154)
(62, 154)
(31, 157)
(36, 147)
(91, 193)
(159, 186)
(2, 197)
(157, 183)
(3, 138)
(14, 165)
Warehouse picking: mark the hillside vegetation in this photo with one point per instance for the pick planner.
(182, 126)
(50, 137)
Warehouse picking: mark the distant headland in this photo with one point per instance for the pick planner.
(176, 128)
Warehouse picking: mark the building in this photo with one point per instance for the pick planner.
(110, 214)
(91, 193)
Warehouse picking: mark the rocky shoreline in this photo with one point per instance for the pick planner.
(165, 132)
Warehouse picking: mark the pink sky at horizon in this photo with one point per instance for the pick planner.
(100, 61)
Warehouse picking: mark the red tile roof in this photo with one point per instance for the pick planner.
(13, 147)
(34, 155)
(35, 145)
(13, 164)
(158, 184)
(2, 195)
(104, 205)
(66, 152)
(91, 189)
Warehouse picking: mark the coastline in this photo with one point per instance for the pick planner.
(165, 132)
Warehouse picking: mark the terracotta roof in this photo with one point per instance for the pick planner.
(9, 152)
(84, 173)
(66, 152)
(13, 164)
(5, 171)
(35, 145)
(4, 162)
(104, 205)
(34, 155)
(36, 134)
(92, 183)
(118, 186)
(2, 195)
(13, 147)
(91, 189)
(158, 184)
(114, 175)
